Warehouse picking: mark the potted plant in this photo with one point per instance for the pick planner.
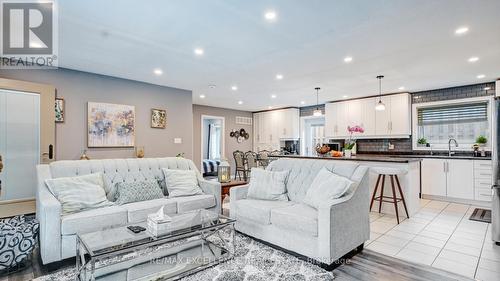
(422, 142)
(351, 142)
(481, 141)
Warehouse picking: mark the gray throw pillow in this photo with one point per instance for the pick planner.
(268, 185)
(327, 186)
(128, 192)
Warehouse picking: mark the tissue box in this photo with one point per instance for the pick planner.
(177, 222)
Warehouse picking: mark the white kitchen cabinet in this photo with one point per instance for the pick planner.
(448, 178)
(394, 121)
(400, 122)
(272, 126)
(483, 172)
(434, 177)
(460, 179)
(383, 117)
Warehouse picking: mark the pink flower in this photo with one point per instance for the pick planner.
(355, 129)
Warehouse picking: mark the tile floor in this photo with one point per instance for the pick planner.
(440, 235)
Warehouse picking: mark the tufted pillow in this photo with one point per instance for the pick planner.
(79, 193)
(128, 192)
(181, 182)
(327, 186)
(268, 185)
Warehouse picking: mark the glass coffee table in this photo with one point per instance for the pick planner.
(117, 253)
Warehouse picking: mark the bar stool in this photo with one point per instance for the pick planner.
(393, 174)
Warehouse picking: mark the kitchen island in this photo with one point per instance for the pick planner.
(410, 181)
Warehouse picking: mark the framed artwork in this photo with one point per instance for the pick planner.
(59, 108)
(158, 118)
(110, 125)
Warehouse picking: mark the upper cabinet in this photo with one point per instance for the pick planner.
(393, 122)
(272, 126)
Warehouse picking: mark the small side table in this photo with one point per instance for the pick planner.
(226, 186)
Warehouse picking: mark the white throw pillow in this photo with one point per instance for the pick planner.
(268, 185)
(79, 193)
(181, 182)
(327, 186)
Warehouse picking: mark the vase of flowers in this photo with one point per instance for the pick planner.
(351, 142)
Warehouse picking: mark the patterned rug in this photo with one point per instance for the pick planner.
(253, 261)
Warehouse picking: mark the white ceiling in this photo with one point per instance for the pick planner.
(412, 43)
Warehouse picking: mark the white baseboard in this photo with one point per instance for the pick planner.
(485, 204)
(9, 208)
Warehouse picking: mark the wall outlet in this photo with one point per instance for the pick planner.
(177, 140)
(390, 146)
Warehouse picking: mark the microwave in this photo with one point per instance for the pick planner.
(334, 145)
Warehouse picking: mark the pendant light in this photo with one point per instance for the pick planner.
(317, 111)
(380, 105)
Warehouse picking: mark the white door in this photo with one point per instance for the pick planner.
(460, 179)
(19, 143)
(434, 177)
(400, 115)
(383, 117)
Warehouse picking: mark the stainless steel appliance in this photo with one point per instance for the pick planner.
(495, 202)
(292, 147)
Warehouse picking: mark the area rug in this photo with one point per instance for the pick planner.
(253, 261)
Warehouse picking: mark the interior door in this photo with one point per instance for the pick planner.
(27, 138)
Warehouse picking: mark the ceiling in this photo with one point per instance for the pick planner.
(412, 43)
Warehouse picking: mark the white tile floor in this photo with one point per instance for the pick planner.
(440, 235)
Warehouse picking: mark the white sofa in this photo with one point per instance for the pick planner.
(323, 235)
(57, 233)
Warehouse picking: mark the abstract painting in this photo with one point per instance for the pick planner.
(110, 125)
(59, 108)
(158, 118)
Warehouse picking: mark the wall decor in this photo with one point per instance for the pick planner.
(158, 118)
(110, 125)
(59, 109)
(240, 135)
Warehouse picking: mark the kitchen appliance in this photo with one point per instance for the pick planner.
(334, 145)
(495, 202)
(292, 147)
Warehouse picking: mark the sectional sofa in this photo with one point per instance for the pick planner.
(58, 233)
(322, 235)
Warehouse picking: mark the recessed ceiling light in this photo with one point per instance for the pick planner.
(487, 88)
(279, 76)
(401, 88)
(302, 102)
(273, 96)
(461, 30)
(240, 102)
(212, 86)
(347, 59)
(269, 107)
(344, 96)
(199, 51)
(234, 88)
(473, 59)
(481, 76)
(202, 96)
(158, 71)
(270, 15)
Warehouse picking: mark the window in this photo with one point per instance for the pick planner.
(463, 122)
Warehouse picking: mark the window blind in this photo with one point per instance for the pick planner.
(453, 113)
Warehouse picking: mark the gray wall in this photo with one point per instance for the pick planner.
(78, 88)
(230, 124)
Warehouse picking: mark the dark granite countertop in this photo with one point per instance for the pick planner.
(394, 158)
(359, 157)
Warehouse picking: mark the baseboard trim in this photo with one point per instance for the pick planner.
(10, 208)
(486, 204)
(327, 267)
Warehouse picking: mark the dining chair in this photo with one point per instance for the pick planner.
(239, 160)
(251, 161)
(263, 157)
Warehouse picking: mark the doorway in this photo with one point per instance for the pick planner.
(212, 143)
(27, 138)
(313, 133)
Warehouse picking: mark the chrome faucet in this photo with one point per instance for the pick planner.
(450, 153)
